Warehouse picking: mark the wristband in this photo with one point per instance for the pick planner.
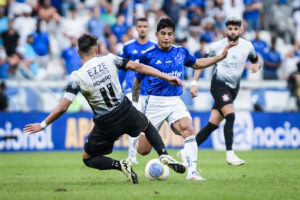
(194, 83)
(43, 124)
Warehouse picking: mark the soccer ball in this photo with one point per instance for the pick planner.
(155, 170)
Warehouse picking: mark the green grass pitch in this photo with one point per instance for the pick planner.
(267, 175)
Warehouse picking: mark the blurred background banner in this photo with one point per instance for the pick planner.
(252, 131)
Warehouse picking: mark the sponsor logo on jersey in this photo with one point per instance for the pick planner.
(135, 51)
(158, 62)
(225, 97)
(174, 73)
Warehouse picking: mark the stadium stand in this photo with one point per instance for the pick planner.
(36, 77)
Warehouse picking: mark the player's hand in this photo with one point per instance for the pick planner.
(32, 128)
(175, 81)
(225, 51)
(194, 91)
(254, 67)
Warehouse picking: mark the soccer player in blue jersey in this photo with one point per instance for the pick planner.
(164, 101)
(133, 50)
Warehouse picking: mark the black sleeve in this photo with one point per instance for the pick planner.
(253, 57)
(120, 62)
(73, 87)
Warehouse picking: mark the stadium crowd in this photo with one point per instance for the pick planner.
(38, 37)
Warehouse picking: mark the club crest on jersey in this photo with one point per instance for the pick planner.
(225, 97)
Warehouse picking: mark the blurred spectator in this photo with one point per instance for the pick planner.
(126, 7)
(192, 5)
(290, 64)
(120, 28)
(272, 61)
(296, 18)
(73, 26)
(3, 21)
(48, 12)
(41, 45)
(219, 14)
(259, 45)
(3, 98)
(209, 33)
(197, 16)
(172, 8)
(25, 24)
(252, 14)
(201, 52)
(109, 16)
(4, 65)
(96, 25)
(10, 39)
(234, 8)
(70, 58)
(29, 59)
(294, 85)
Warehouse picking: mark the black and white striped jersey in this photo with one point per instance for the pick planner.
(230, 69)
(98, 81)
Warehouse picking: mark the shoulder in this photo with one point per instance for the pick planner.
(128, 43)
(149, 50)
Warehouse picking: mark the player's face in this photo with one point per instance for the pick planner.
(233, 32)
(165, 38)
(142, 28)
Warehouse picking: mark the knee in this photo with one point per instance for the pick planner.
(187, 130)
(230, 117)
(143, 151)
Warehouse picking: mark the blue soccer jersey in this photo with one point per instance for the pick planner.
(133, 50)
(169, 62)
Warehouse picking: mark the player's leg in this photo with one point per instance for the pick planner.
(131, 140)
(214, 120)
(229, 113)
(181, 122)
(138, 122)
(98, 145)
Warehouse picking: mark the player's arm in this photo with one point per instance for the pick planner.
(136, 89)
(60, 109)
(148, 70)
(255, 62)
(71, 91)
(206, 62)
(194, 89)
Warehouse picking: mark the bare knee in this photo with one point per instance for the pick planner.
(143, 151)
(85, 155)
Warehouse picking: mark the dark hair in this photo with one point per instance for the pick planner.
(233, 21)
(86, 41)
(141, 19)
(165, 23)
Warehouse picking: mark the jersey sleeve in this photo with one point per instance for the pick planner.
(125, 53)
(119, 62)
(73, 87)
(144, 59)
(211, 51)
(252, 56)
(189, 59)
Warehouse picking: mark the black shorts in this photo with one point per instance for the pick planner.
(222, 93)
(109, 128)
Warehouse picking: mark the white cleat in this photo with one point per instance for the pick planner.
(182, 157)
(195, 176)
(127, 170)
(172, 163)
(234, 160)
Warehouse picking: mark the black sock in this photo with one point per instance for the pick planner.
(155, 140)
(102, 163)
(228, 131)
(205, 132)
